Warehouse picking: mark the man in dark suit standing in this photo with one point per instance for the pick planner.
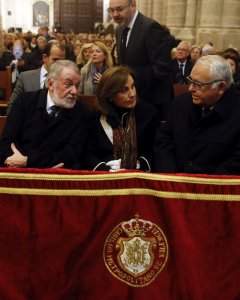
(182, 65)
(48, 127)
(202, 133)
(33, 80)
(145, 46)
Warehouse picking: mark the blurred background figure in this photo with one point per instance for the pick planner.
(233, 61)
(84, 55)
(174, 53)
(36, 60)
(91, 73)
(76, 49)
(195, 53)
(208, 49)
(182, 65)
(114, 54)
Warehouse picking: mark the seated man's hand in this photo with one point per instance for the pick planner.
(61, 165)
(17, 160)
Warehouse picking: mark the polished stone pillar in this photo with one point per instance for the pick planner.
(189, 30)
(176, 15)
(210, 23)
(231, 14)
(231, 23)
(145, 7)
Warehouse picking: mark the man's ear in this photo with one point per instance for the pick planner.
(222, 88)
(44, 57)
(50, 83)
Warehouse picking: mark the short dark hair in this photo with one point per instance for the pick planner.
(49, 46)
(111, 83)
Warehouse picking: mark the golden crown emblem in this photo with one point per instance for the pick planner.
(136, 226)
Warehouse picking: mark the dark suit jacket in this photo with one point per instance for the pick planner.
(149, 54)
(178, 77)
(100, 149)
(28, 81)
(46, 142)
(189, 143)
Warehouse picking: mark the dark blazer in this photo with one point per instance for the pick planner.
(46, 142)
(178, 76)
(190, 143)
(149, 54)
(28, 81)
(100, 148)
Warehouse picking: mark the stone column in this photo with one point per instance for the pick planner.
(176, 15)
(188, 33)
(145, 7)
(231, 23)
(210, 23)
(156, 11)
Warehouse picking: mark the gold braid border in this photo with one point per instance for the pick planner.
(121, 175)
(120, 192)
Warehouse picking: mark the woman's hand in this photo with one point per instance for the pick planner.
(96, 78)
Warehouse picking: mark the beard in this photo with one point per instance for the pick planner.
(67, 102)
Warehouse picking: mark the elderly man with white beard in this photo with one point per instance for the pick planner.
(47, 128)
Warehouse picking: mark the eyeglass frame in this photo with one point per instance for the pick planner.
(118, 9)
(199, 84)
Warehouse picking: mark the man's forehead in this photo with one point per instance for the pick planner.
(200, 71)
(68, 74)
(116, 3)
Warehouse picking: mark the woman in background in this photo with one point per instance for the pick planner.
(84, 55)
(195, 53)
(91, 73)
(233, 61)
(123, 130)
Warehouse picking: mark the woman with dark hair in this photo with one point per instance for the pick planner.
(123, 129)
(233, 61)
(114, 54)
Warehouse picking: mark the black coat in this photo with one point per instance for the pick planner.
(100, 148)
(148, 53)
(178, 77)
(190, 143)
(46, 142)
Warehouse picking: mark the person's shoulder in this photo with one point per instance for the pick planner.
(232, 94)
(82, 110)
(29, 73)
(145, 108)
(33, 95)
(145, 19)
(28, 100)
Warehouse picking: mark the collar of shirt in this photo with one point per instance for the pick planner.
(50, 103)
(182, 63)
(43, 73)
(130, 26)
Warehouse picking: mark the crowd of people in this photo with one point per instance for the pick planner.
(138, 122)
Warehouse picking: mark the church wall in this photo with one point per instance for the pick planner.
(196, 21)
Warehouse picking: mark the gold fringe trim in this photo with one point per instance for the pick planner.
(120, 192)
(121, 176)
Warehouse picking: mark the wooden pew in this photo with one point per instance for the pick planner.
(2, 124)
(179, 89)
(90, 101)
(5, 89)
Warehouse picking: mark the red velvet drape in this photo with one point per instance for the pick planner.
(54, 225)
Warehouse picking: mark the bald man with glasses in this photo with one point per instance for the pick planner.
(202, 133)
(145, 46)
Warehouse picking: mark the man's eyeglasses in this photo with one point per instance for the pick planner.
(118, 10)
(198, 85)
